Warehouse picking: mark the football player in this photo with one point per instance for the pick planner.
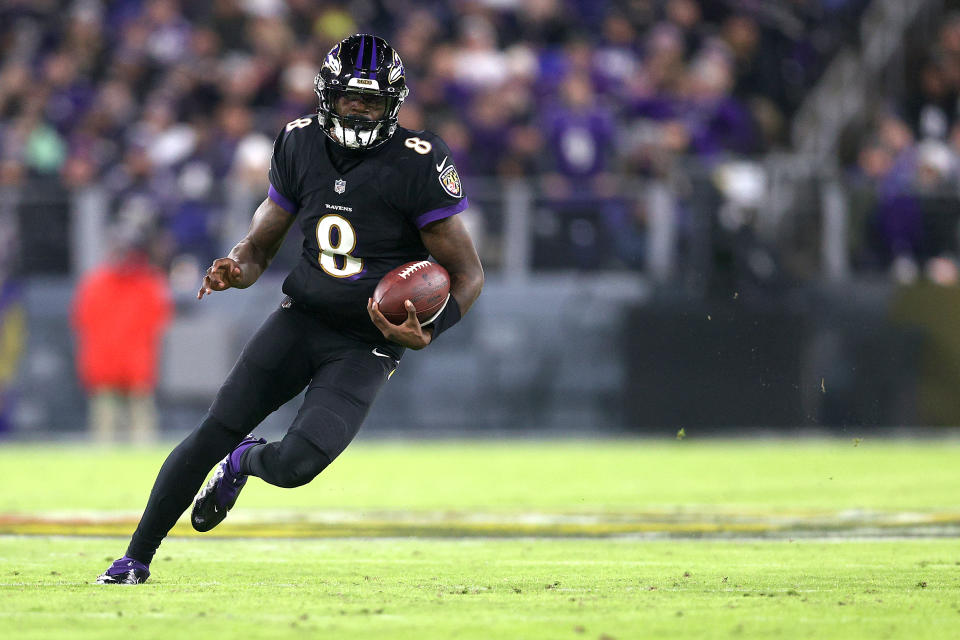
(368, 196)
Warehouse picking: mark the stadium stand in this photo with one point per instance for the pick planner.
(169, 106)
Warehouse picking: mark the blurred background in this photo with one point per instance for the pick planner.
(721, 216)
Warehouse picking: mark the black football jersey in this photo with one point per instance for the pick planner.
(360, 213)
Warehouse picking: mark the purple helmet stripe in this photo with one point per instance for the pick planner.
(355, 65)
(359, 62)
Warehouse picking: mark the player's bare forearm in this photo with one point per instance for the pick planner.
(450, 244)
(251, 256)
(267, 229)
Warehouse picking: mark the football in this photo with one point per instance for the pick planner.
(426, 284)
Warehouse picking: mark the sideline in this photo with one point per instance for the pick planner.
(337, 524)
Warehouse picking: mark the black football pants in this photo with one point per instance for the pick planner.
(290, 352)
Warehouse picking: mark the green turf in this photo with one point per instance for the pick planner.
(567, 476)
(426, 589)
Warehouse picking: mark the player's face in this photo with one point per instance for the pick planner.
(364, 105)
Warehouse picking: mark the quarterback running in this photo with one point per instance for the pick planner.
(368, 196)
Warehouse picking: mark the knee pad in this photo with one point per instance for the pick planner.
(297, 462)
(325, 430)
(299, 472)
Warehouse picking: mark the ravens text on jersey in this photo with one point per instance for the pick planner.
(369, 196)
(360, 214)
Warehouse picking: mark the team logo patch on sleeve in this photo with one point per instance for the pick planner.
(450, 181)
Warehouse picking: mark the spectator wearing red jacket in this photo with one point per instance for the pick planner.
(120, 312)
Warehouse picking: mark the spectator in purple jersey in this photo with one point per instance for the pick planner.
(580, 143)
(617, 60)
(489, 120)
(580, 133)
(700, 116)
(169, 31)
(68, 94)
(898, 220)
(717, 122)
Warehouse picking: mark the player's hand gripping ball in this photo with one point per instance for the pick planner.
(426, 284)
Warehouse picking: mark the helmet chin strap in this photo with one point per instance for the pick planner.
(352, 138)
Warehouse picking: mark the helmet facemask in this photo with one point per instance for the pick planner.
(368, 70)
(356, 131)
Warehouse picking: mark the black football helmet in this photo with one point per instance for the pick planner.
(369, 67)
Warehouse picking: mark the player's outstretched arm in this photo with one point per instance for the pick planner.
(251, 256)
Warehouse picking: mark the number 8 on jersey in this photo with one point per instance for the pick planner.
(337, 238)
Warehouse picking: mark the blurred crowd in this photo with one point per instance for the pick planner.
(172, 106)
(906, 165)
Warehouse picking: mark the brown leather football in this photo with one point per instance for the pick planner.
(426, 284)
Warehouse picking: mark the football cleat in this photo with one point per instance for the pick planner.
(125, 571)
(220, 493)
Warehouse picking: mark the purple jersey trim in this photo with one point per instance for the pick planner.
(357, 276)
(439, 214)
(285, 204)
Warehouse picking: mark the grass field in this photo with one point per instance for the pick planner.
(575, 539)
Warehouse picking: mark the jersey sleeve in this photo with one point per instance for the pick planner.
(284, 186)
(440, 192)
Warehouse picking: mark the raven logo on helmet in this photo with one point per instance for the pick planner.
(396, 72)
(332, 61)
(364, 66)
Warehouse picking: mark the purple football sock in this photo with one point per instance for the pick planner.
(237, 455)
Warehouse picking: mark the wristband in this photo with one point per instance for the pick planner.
(447, 318)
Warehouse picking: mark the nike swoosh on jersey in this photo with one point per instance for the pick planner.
(440, 166)
(377, 353)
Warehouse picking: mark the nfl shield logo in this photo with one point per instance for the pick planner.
(339, 186)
